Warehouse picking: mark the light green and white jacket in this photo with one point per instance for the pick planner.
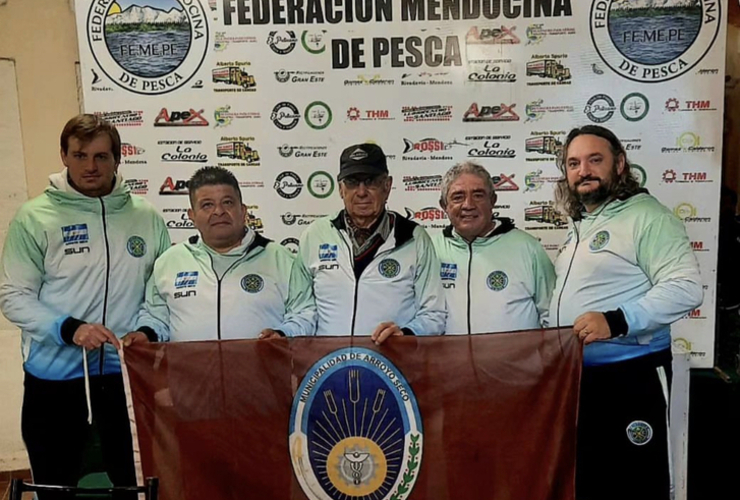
(632, 256)
(190, 298)
(69, 258)
(497, 283)
(400, 284)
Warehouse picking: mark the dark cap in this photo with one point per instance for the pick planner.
(362, 159)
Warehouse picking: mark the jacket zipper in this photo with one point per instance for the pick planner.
(107, 279)
(357, 281)
(470, 263)
(218, 292)
(357, 285)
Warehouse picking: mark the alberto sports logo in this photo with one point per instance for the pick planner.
(148, 46)
(654, 42)
(599, 241)
(76, 233)
(355, 429)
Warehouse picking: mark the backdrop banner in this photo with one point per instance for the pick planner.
(274, 90)
(482, 416)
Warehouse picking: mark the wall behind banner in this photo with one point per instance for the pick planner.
(38, 92)
(275, 95)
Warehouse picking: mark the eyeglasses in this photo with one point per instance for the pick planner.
(370, 182)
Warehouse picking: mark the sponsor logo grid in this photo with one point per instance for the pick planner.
(275, 97)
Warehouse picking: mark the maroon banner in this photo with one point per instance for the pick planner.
(458, 417)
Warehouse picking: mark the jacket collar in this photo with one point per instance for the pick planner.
(403, 228)
(503, 226)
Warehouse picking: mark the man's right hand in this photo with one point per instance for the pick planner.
(92, 336)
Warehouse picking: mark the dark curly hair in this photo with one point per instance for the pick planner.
(624, 186)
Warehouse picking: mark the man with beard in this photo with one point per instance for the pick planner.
(624, 274)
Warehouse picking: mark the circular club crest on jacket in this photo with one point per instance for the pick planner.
(252, 283)
(389, 268)
(599, 241)
(639, 432)
(136, 246)
(497, 281)
(355, 429)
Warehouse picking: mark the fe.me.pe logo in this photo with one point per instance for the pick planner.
(355, 429)
(148, 47)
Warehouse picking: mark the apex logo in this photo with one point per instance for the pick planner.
(486, 36)
(170, 186)
(501, 113)
(189, 118)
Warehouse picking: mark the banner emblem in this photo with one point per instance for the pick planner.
(150, 48)
(355, 429)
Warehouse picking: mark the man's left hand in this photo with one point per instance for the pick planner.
(385, 330)
(592, 326)
(134, 338)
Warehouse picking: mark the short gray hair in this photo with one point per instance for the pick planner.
(466, 167)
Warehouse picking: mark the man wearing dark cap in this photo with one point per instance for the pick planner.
(366, 270)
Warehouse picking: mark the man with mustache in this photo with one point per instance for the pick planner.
(625, 273)
(228, 282)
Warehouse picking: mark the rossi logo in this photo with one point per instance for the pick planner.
(144, 48)
(654, 42)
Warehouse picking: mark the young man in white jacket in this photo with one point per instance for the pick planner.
(226, 283)
(496, 278)
(625, 273)
(74, 269)
(366, 270)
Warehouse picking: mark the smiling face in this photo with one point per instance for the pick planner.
(592, 170)
(219, 215)
(91, 166)
(469, 205)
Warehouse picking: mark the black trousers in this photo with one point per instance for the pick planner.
(623, 448)
(55, 429)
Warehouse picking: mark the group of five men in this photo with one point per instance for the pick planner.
(88, 264)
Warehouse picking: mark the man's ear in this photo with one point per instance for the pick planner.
(191, 214)
(620, 164)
